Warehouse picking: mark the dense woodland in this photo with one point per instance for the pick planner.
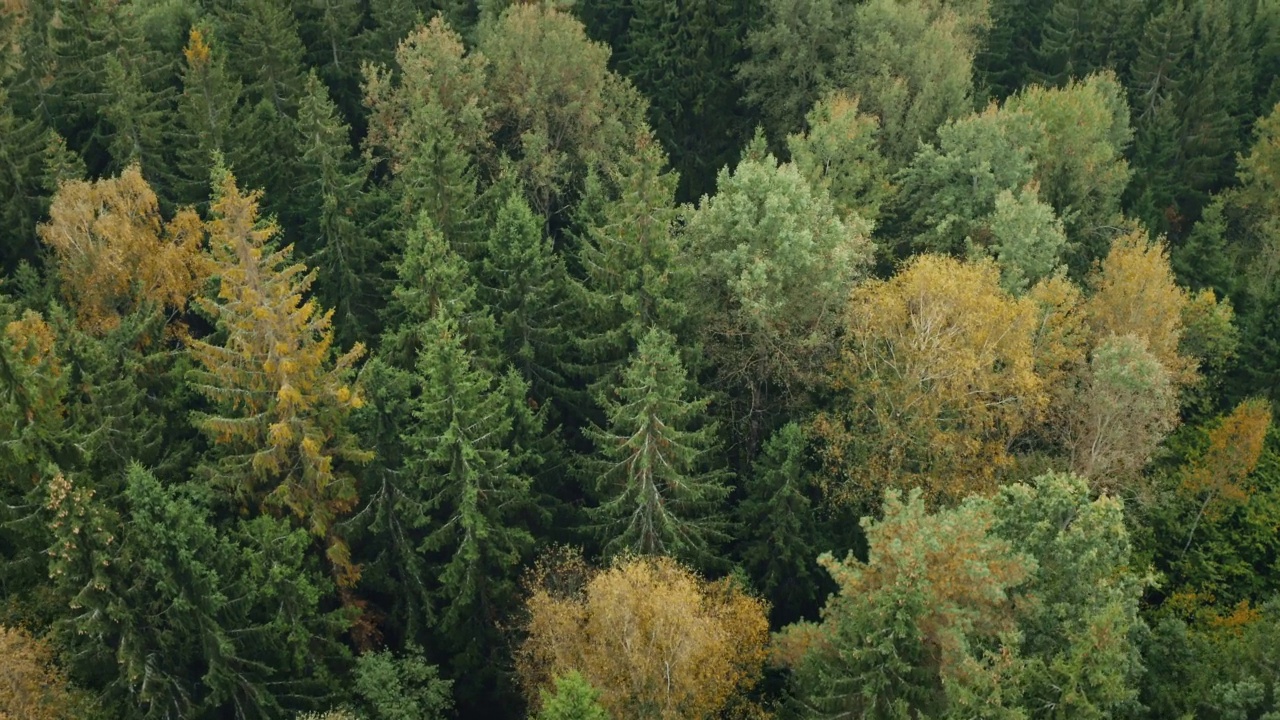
(412, 359)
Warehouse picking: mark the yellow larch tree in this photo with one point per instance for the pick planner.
(656, 640)
(281, 397)
(114, 252)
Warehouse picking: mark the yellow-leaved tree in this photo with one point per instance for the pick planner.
(113, 250)
(31, 686)
(281, 398)
(936, 378)
(652, 637)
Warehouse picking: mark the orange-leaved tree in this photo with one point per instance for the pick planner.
(114, 251)
(656, 640)
(281, 398)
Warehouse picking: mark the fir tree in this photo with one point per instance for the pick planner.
(656, 470)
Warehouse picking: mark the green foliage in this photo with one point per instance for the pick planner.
(777, 526)
(630, 260)
(1027, 239)
(840, 154)
(915, 629)
(774, 263)
(330, 196)
(573, 699)
(524, 285)
(655, 469)
(401, 688)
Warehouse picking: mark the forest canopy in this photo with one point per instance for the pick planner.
(639, 359)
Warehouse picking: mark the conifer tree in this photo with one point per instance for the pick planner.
(682, 58)
(657, 470)
(632, 277)
(20, 176)
(208, 116)
(777, 527)
(138, 118)
(280, 399)
(469, 475)
(330, 194)
(195, 623)
(430, 133)
(524, 285)
(264, 50)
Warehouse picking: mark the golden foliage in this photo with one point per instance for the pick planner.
(654, 638)
(197, 50)
(31, 686)
(285, 399)
(1134, 293)
(937, 376)
(114, 252)
(1235, 446)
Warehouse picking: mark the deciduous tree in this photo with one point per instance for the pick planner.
(280, 398)
(656, 640)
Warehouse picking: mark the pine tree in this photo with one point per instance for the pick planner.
(328, 29)
(657, 469)
(330, 196)
(280, 400)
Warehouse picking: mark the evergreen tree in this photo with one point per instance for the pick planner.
(280, 400)
(523, 283)
(682, 57)
(330, 197)
(656, 465)
(20, 176)
(629, 258)
(264, 50)
(192, 622)
(573, 699)
(777, 527)
(138, 118)
(207, 117)
(328, 29)
(468, 472)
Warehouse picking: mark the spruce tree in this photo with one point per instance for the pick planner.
(632, 277)
(20, 181)
(476, 490)
(207, 116)
(139, 118)
(777, 527)
(264, 50)
(330, 196)
(523, 282)
(657, 469)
